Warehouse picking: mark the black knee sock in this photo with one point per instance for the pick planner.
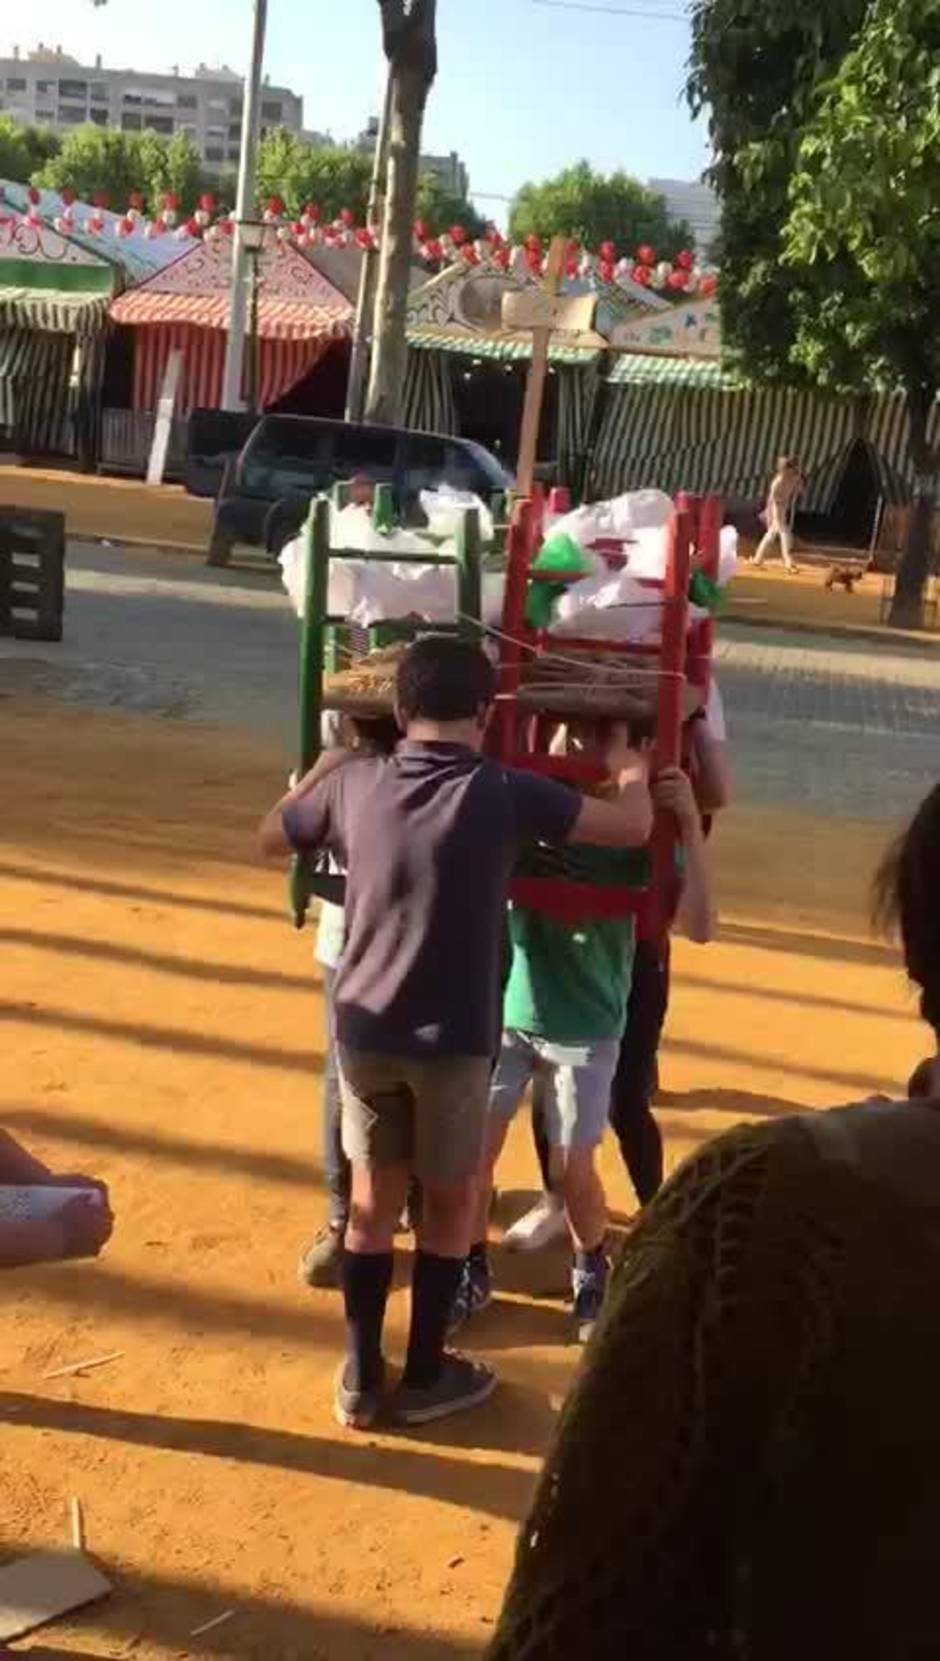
(366, 1280)
(433, 1289)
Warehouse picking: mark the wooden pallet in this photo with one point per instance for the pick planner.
(32, 573)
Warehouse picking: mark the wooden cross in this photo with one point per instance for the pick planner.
(543, 310)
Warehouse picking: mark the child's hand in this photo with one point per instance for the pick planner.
(623, 758)
(672, 793)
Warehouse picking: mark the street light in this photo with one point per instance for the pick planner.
(252, 240)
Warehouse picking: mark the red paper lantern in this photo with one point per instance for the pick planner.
(493, 236)
(607, 253)
(646, 255)
(68, 195)
(171, 202)
(347, 217)
(606, 271)
(190, 227)
(641, 275)
(420, 230)
(274, 206)
(677, 280)
(227, 225)
(32, 196)
(458, 235)
(533, 242)
(125, 226)
(469, 254)
(571, 265)
(433, 249)
(100, 199)
(207, 203)
(708, 285)
(297, 229)
(136, 201)
(501, 257)
(363, 239)
(685, 260)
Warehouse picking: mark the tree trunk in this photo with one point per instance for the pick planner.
(908, 602)
(410, 47)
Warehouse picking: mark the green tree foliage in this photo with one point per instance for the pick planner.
(863, 236)
(440, 208)
(24, 149)
(337, 177)
(333, 178)
(596, 208)
(756, 67)
(95, 161)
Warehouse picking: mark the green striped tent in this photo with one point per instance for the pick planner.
(685, 423)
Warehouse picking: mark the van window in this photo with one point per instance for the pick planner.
(366, 450)
(288, 459)
(424, 463)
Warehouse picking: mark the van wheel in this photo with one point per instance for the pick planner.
(220, 548)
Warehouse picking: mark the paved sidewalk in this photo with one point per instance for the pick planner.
(814, 722)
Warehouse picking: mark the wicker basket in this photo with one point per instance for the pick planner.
(366, 688)
(601, 685)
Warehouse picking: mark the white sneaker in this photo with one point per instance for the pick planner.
(540, 1227)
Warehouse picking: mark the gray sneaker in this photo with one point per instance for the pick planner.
(355, 1409)
(462, 1383)
(320, 1264)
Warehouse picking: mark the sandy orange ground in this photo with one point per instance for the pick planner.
(163, 1030)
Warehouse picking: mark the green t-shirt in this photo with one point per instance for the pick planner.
(571, 984)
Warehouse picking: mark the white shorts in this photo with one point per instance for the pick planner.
(578, 1078)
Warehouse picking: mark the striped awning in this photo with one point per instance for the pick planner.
(277, 319)
(499, 348)
(645, 369)
(52, 311)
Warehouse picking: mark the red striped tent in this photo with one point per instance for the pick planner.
(186, 306)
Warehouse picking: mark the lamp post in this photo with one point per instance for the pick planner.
(244, 207)
(252, 238)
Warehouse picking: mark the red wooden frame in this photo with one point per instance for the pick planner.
(682, 653)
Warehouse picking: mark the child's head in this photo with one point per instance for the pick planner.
(375, 735)
(907, 895)
(445, 682)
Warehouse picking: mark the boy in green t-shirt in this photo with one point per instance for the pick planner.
(564, 1016)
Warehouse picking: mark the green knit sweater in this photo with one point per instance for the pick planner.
(749, 1466)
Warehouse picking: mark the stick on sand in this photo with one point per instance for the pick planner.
(83, 1366)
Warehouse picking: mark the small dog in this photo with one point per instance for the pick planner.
(843, 576)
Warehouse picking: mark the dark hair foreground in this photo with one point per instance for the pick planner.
(443, 679)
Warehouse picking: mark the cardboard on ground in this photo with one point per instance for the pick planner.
(46, 1584)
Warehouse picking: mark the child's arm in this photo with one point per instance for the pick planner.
(272, 837)
(696, 916)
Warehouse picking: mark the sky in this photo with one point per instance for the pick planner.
(523, 88)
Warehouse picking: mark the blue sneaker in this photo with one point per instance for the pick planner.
(588, 1286)
(474, 1294)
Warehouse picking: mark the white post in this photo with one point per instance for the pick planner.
(244, 209)
(365, 303)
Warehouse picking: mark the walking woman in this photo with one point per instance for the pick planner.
(749, 1466)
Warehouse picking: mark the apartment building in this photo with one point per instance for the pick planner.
(695, 202)
(49, 88)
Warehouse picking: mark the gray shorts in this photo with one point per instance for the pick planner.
(578, 1080)
(427, 1114)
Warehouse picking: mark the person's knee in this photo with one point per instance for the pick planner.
(378, 1194)
(447, 1218)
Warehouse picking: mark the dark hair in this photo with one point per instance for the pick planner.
(907, 897)
(377, 734)
(441, 678)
